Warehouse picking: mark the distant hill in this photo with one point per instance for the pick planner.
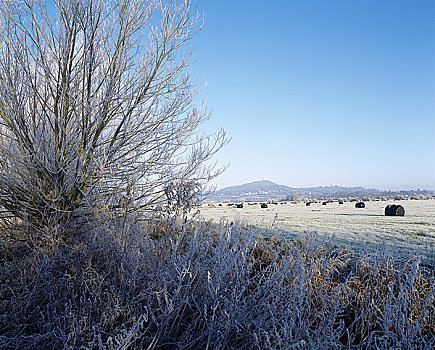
(265, 189)
(257, 190)
(261, 187)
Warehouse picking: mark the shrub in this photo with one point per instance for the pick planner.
(97, 107)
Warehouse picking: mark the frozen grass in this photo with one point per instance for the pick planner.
(363, 229)
(127, 285)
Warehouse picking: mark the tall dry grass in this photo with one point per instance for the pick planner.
(132, 285)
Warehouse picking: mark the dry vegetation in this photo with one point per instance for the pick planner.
(131, 285)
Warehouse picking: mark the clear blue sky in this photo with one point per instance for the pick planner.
(322, 92)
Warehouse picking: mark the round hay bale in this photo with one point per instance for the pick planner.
(360, 205)
(340, 202)
(263, 205)
(394, 210)
(323, 203)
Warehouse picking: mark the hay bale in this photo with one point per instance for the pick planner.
(394, 210)
(360, 205)
(308, 204)
(263, 205)
(239, 205)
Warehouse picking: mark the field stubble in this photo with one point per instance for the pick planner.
(364, 229)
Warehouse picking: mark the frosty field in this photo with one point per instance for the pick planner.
(363, 229)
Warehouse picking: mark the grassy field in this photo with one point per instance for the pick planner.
(363, 229)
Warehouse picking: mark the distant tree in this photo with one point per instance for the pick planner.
(97, 106)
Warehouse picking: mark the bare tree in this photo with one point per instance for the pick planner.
(97, 105)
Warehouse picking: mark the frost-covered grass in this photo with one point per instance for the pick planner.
(127, 285)
(364, 229)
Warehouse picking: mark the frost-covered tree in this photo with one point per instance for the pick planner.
(97, 105)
